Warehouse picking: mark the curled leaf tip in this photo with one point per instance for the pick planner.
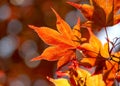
(55, 12)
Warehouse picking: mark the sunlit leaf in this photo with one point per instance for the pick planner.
(63, 27)
(86, 9)
(60, 82)
(105, 51)
(63, 42)
(93, 47)
(116, 19)
(82, 77)
(49, 36)
(110, 73)
(56, 54)
(101, 13)
(68, 56)
(96, 80)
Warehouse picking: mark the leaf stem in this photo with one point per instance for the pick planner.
(107, 39)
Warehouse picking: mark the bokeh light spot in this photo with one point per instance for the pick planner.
(25, 79)
(21, 2)
(5, 12)
(8, 45)
(40, 82)
(16, 83)
(17, 2)
(14, 27)
(28, 51)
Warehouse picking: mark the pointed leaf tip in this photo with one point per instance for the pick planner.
(74, 4)
(78, 21)
(35, 59)
(32, 60)
(32, 27)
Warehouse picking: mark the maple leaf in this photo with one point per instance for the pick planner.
(91, 49)
(62, 42)
(102, 57)
(81, 77)
(109, 74)
(101, 13)
(78, 77)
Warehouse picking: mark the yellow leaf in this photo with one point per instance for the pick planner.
(104, 51)
(96, 80)
(60, 82)
(83, 78)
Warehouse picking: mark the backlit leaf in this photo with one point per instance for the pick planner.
(63, 27)
(56, 54)
(50, 36)
(63, 43)
(86, 9)
(68, 56)
(101, 13)
(60, 82)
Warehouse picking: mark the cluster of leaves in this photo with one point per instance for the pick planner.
(64, 43)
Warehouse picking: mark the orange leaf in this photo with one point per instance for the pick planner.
(77, 38)
(68, 56)
(76, 30)
(99, 16)
(51, 53)
(86, 9)
(110, 73)
(116, 18)
(62, 43)
(50, 36)
(88, 61)
(94, 41)
(116, 5)
(63, 27)
(101, 13)
(93, 47)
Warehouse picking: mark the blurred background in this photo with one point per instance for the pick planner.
(19, 44)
